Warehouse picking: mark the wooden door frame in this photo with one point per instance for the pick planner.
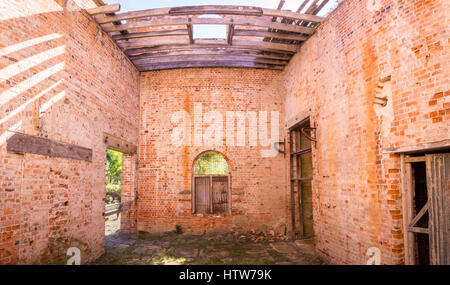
(410, 219)
(408, 204)
(298, 179)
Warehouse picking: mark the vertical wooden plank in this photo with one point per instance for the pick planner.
(190, 32)
(407, 204)
(447, 207)
(291, 147)
(299, 184)
(298, 139)
(193, 193)
(230, 33)
(220, 194)
(437, 170)
(229, 195)
(202, 195)
(211, 196)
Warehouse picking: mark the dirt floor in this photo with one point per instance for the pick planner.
(229, 248)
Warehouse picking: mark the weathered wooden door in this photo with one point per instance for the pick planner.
(212, 194)
(438, 181)
(202, 196)
(220, 194)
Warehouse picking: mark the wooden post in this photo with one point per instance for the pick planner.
(229, 195)
(193, 193)
(230, 33)
(190, 32)
(291, 140)
(438, 168)
(211, 198)
(407, 204)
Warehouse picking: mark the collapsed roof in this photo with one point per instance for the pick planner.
(163, 38)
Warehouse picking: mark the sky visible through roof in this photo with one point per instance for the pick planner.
(216, 31)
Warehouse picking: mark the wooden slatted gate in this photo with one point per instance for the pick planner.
(211, 194)
(434, 214)
(438, 179)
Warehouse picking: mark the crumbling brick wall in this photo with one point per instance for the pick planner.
(64, 79)
(337, 74)
(165, 169)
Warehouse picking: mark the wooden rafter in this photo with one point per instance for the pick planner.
(165, 33)
(210, 21)
(163, 38)
(232, 58)
(174, 42)
(107, 9)
(212, 52)
(209, 64)
(218, 9)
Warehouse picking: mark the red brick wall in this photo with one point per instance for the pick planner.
(128, 193)
(334, 78)
(259, 198)
(357, 196)
(44, 198)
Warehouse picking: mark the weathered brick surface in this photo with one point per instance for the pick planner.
(334, 78)
(45, 198)
(357, 195)
(165, 170)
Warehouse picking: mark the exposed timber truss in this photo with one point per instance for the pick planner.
(163, 38)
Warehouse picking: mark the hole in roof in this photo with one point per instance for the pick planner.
(208, 31)
(293, 5)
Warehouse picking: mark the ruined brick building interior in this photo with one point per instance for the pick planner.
(332, 128)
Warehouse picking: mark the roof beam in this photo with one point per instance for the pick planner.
(138, 51)
(211, 21)
(292, 15)
(178, 32)
(208, 64)
(211, 9)
(216, 9)
(106, 9)
(264, 33)
(201, 58)
(134, 15)
(219, 42)
(213, 52)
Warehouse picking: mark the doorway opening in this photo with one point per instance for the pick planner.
(113, 197)
(421, 246)
(301, 177)
(425, 179)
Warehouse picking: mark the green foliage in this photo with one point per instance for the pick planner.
(113, 193)
(178, 229)
(113, 167)
(56, 251)
(211, 163)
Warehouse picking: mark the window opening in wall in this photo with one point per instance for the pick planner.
(211, 185)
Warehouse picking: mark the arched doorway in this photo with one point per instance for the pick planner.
(211, 184)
